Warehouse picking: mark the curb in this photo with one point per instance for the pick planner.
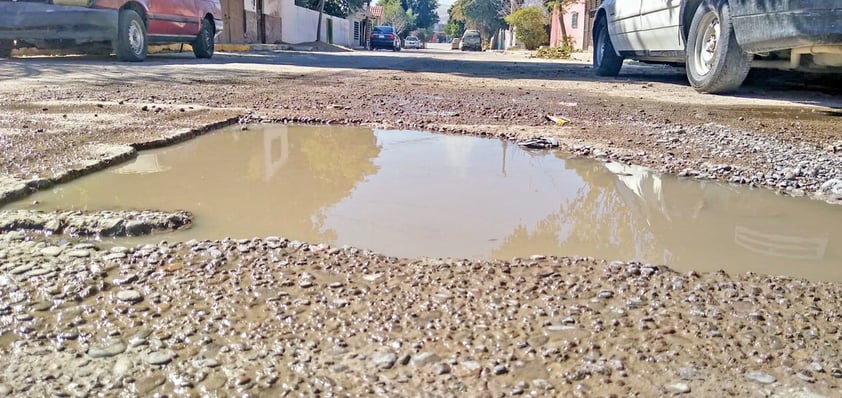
(232, 48)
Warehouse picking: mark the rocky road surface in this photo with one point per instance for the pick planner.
(270, 317)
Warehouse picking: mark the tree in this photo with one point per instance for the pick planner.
(562, 9)
(456, 21)
(508, 7)
(319, 24)
(482, 15)
(337, 8)
(531, 26)
(395, 15)
(424, 11)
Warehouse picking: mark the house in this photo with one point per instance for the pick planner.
(281, 21)
(578, 24)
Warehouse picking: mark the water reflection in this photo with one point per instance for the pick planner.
(628, 212)
(417, 194)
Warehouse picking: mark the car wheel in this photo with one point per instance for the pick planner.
(131, 37)
(606, 62)
(6, 47)
(203, 46)
(715, 61)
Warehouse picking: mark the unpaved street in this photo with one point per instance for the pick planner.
(273, 317)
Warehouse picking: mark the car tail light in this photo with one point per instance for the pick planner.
(372, 36)
(391, 36)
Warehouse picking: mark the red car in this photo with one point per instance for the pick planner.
(128, 25)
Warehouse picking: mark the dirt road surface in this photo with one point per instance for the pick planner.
(270, 317)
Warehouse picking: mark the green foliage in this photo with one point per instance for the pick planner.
(454, 28)
(531, 26)
(424, 11)
(562, 52)
(337, 8)
(396, 16)
(483, 15)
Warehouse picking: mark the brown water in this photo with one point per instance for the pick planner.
(412, 194)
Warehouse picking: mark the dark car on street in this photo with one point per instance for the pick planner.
(126, 26)
(384, 37)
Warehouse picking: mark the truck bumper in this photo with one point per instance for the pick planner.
(786, 29)
(37, 21)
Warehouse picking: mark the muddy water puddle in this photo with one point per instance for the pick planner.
(412, 194)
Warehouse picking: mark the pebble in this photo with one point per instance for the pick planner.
(208, 363)
(20, 269)
(441, 368)
(108, 348)
(51, 251)
(38, 272)
(500, 370)
(129, 296)
(160, 357)
(761, 377)
(145, 385)
(121, 367)
(678, 388)
(139, 338)
(423, 359)
(384, 360)
(5, 390)
(537, 341)
(79, 253)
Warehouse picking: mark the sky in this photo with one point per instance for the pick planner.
(442, 10)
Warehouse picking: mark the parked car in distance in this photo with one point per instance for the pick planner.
(384, 37)
(127, 26)
(471, 41)
(718, 41)
(412, 42)
(454, 44)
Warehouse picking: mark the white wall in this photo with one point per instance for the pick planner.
(299, 25)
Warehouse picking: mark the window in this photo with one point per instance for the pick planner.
(574, 20)
(356, 30)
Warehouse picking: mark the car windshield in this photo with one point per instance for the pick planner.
(412, 38)
(383, 29)
(471, 33)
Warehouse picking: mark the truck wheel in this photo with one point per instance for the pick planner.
(203, 46)
(6, 47)
(606, 62)
(131, 37)
(715, 61)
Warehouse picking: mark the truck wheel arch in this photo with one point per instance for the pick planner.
(139, 8)
(687, 12)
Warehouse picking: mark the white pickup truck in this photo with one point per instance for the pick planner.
(718, 41)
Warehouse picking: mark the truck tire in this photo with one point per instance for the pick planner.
(6, 47)
(131, 45)
(203, 46)
(715, 61)
(606, 62)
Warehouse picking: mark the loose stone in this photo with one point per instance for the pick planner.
(423, 359)
(384, 360)
(160, 357)
(129, 296)
(51, 251)
(761, 377)
(107, 349)
(678, 388)
(145, 385)
(79, 253)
